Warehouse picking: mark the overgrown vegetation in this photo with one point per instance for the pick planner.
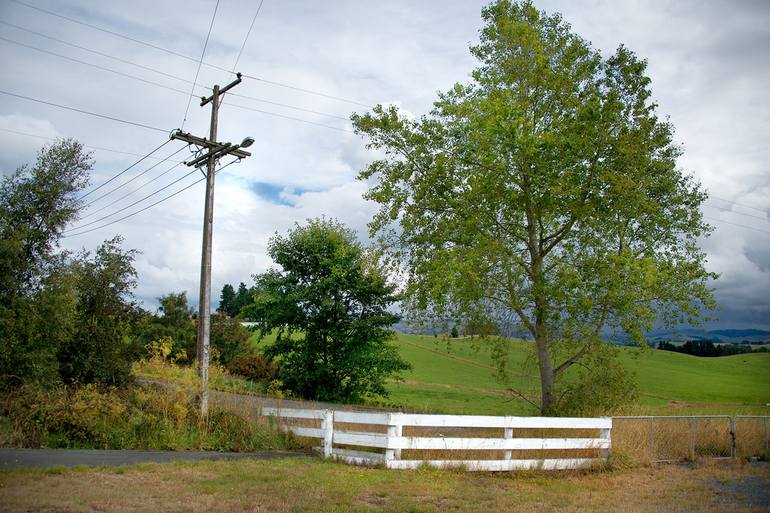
(135, 417)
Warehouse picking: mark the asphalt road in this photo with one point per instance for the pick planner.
(41, 458)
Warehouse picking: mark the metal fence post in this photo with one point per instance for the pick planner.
(395, 430)
(733, 435)
(651, 439)
(327, 426)
(692, 438)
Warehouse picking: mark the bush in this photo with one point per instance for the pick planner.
(253, 367)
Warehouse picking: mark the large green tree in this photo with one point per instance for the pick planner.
(547, 187)
(328, 306)
(36, 288)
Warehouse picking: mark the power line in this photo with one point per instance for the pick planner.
(308, 91)
(100, 148)
(736, 224)
(150, 82)
(290, 117)
(240, 52)
(148, 206)
(103, 116)
(132, 178)
(200, 62)
(764, 211)
(187, 57)
(734, 212)
(73, 59)
(164, 173)
(95, 52)
(134, 203)
(125, 170)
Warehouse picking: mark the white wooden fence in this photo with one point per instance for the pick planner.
(393, 441)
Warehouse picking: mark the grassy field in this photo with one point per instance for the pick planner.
(313, 485)
(458, 377)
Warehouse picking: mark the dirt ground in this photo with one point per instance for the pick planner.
(291, 485)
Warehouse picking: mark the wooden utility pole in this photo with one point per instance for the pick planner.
(216, 151)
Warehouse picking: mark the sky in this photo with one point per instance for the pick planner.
(709, 63)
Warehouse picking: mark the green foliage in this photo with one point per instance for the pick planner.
(253, 367)
(175, 322)
(334, 298)
(232, 302)
(543, 196)
(228, 338)
(126, 418)
(226, 298)
(454, 333)
(37, 294)
(101, 348)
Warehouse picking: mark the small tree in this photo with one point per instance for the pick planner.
(328, 306)
(101, 349)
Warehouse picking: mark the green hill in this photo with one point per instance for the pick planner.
(458, 377)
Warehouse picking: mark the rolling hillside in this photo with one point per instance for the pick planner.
(459, 378)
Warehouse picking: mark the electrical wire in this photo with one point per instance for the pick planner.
(150, 82)
(240, 52)
(148, 206)
(132, 178)
(187, 57)
(764, 211)
(103, 116)
(99, 148)
(736, 224)
(73, 59)
(134, 203)
(735, 212)
(125, 170)
(200, 62)
(290, 117)
(164, 173)
(91, 50)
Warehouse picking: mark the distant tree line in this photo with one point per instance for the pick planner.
(707, 348)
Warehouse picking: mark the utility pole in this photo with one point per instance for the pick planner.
(215, 152)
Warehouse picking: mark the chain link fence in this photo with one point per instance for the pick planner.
(671, 438)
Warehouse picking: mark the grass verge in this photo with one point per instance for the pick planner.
(294, 486)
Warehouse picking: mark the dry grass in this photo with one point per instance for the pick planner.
(293, 486)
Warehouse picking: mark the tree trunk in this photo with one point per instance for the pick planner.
(547, 395)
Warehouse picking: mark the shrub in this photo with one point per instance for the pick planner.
(253, 367)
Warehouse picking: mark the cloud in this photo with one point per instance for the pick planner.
(708, 62)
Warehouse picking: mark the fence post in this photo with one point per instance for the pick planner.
(606, 434)
(733, 435)
(327, 426)
(651, 440)
(395, 429)
(692, 438)
(767, 441)
(508, 434)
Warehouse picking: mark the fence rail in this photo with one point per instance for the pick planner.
(474, 442)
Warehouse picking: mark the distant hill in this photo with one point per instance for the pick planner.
(728, 336)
